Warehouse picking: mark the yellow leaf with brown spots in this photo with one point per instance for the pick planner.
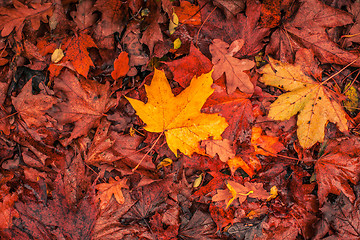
(315, 104)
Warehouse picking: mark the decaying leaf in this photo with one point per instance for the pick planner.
(234, 68)
(265, 145)
(316, 104)
(179, 117)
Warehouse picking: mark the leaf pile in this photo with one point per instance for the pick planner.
(162, 119)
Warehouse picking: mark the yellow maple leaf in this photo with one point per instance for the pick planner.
(180, 117)
(315, 104)
(106, 190)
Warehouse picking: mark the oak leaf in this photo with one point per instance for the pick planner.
(87, 102)
(180, 117)
(236, 190)
(224, 62)
(107, 190)
(315, 104)
(16, 17)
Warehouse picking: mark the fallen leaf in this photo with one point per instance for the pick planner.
(316, 105)
(336, 169)
(238, 162)
(200, 226)
(14, 18)
(107, 190)
(114, 15)
(236, 108)
(241, 192)
(76, 53)
(224, 62)
(265, 145)
(83, 16)
(354, 33)
(188, 13)
(185, 68)
(179, 117)
(56, 218)
(87, 101)
(32, 108)
(342, 216)
(222, 148)
(121, 66)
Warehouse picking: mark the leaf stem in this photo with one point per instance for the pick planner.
(134, 169)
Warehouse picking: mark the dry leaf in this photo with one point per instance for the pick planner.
(224, 62)
(107, 190)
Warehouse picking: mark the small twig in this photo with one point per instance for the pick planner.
(197, 35)
(134, 169)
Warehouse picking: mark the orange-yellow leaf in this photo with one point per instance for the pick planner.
(188, 13)
(107, 190)
(180, 117)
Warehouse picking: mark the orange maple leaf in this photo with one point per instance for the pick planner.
(107, 190)
(76, 55)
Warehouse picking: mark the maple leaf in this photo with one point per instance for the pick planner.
(179, 117)
(315, 104)
(32, 108)
(15, 18)
(337, 167)
(76, 54)
(107, 190)
(87, 103)
(309, 29)
(224, 62)
(238, 191)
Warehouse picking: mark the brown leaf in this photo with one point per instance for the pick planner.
(222, 148)
(83, 16)
(234, 68)
(87, 101)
